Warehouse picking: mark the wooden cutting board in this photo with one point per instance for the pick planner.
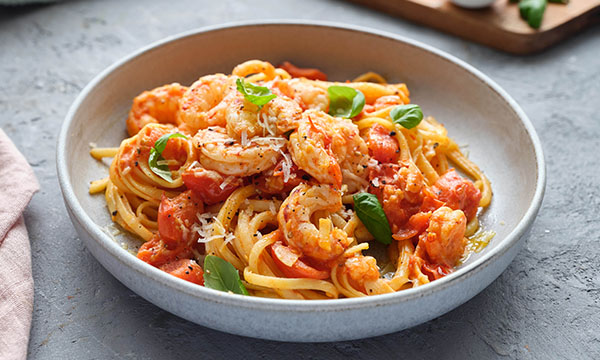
(499, 26)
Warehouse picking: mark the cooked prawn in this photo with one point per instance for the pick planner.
(246, 120)
(444, 237)
(199, 106)
(324, 243)
(218, 151)
(331, 150)
(282, 112)
(159, 106)
(311, 148)
(361, 269)
(305, 93)
(351, 152)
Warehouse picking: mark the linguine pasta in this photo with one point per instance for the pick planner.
(263, 177)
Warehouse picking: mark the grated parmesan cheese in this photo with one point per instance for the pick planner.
(193, 165)
(229, 237)
(205, 229)
(244, 139)
(375, 182)
(228, 180)
(263, 122)
(286, 166)
(346, 213)
(276, 142)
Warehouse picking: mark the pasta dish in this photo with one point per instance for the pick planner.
(275, 182)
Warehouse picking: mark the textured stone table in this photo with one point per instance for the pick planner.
(546, 305)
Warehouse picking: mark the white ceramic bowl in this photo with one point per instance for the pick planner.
(476, 111)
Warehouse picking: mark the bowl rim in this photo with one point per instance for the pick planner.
(285, 305)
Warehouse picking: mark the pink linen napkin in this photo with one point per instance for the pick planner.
(17, 185)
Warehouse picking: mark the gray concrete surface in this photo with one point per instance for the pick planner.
(545, 306)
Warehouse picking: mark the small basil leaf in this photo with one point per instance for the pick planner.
(155, 158)
(369, 211)
(258, 95)
(221, 275)
(408, 116)
(533, 11)
(345, 101)
(161, 143)
(161, 170)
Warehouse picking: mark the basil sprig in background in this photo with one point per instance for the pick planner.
(221, 275)
(155, 160)
(533, 10)
(345, 101)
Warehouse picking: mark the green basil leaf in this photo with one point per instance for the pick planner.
(345, 101)
(258, 95)
(369, 211)
(533, 11)
(161, 170)
(161, 143)
(221, 275)
(408, 116)
(156, 157)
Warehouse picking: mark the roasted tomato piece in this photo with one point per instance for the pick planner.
(417, 223)
(156, 253)
(309, 73)
(209, 185)
(185, 269)
(434, 271)
(176, 217)
(430, 200)
(290, 264)
(457, 193)
(382, 145)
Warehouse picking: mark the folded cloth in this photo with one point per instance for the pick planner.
(17, 186)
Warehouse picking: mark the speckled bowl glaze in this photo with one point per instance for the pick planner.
(475, 110)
